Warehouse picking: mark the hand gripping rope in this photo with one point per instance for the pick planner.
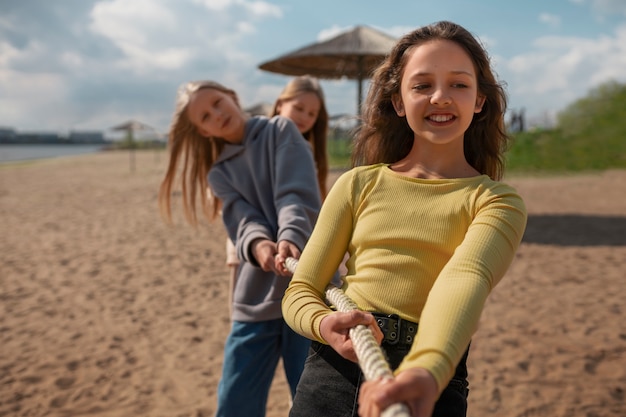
(371, 358)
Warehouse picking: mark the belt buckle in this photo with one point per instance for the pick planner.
(392, 332)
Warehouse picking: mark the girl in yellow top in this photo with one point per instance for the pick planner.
(429, 230)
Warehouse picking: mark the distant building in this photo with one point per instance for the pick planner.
(7, 135)
(86, 137)
(39, 137)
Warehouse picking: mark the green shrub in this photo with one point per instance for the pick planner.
(590, 135)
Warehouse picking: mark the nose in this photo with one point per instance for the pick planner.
(440, 96)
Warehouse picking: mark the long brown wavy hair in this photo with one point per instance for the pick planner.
(383, 136)
(197, 153)
(318, 133)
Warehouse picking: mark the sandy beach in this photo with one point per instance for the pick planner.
(107, 311)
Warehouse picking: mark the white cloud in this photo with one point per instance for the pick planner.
(399, 31)
(5, 23)
(124, 63)
(331, 32)
(550, 19)
(130, 25)
(245, 27)
(562, 69)
(256, 8)
(22, 95)
(609, 6)
(156, 35)
(604, 7)
(72, 60)
(262, 8)
(7, 53)
(217, 5)
(613, 59)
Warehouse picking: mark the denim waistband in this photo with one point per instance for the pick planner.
(352, 371)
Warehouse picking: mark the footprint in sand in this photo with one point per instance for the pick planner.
(65, 382)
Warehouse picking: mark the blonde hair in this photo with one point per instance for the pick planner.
(316, 136)
(197, 152)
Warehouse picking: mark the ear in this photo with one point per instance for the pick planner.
(480, 101)
(398, 105)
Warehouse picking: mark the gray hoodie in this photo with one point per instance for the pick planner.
(268, 188)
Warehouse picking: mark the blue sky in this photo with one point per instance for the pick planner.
(91, 64)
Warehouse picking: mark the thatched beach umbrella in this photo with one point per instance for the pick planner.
(353, 54)
(130, 127)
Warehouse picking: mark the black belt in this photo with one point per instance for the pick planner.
(397, 331)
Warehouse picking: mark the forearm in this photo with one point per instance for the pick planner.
(304, 302)
(303, 310)
(455, 302)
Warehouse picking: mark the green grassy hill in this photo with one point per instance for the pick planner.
(590, 135)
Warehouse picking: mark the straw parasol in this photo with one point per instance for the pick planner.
(354, 54)
(130, 127)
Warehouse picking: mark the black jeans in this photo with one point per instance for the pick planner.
(329, 385)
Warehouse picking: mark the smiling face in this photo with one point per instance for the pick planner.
(216, 114)
(438, 92)
(303, 110)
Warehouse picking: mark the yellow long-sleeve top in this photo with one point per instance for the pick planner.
(429, 250)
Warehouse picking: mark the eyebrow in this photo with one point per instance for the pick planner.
(455, 72)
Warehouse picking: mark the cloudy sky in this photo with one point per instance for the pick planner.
(91, 64)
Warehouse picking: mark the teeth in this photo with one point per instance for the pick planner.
(440, 118)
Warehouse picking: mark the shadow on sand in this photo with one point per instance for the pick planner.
(576, 230)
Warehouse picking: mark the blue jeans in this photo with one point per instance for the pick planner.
(251, 355)
(329, 385)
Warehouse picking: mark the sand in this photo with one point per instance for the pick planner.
(107, 311)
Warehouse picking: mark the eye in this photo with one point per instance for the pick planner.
(460, 85)
(420, 87)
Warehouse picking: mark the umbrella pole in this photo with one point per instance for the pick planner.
(359, 97)
(131, 145)
(360, 86)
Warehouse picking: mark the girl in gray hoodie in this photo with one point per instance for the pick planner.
(260, 173)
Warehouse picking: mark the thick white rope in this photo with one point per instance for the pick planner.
(371, 357)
